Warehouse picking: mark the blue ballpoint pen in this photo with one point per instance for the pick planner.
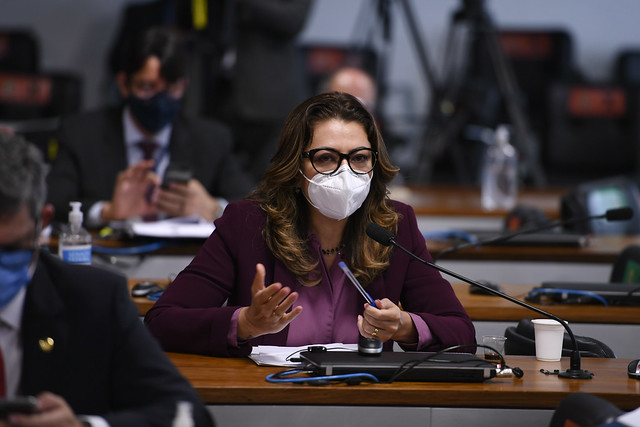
(357, 284)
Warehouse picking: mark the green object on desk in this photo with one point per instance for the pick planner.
(106, 232)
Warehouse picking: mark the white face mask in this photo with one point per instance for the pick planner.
(338, 195)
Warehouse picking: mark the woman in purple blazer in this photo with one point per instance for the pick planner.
(269, 273)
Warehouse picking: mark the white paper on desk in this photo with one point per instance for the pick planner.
(631, 419)
(272, 355)
(185, 227)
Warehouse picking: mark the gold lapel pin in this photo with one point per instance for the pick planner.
(46, 344)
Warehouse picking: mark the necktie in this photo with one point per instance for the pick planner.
(148, 147)
(3, 386)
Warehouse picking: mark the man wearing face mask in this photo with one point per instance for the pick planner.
(70, 335)
(114, 160)
(269, 273)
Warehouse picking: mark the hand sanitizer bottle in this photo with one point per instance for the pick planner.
(500, 173)
(184, 415)
(74, 244)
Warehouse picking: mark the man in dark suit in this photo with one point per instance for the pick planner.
(252, 75)
(69, 334)
(103, 161)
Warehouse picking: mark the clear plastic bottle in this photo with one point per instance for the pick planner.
(74, 244)
(500, 173)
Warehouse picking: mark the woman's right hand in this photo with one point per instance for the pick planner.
(267, 313)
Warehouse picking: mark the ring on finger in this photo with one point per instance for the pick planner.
(375, 332)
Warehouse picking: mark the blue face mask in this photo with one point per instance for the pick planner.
(14, 273)
(156, 112)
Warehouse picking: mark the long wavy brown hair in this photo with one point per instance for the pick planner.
(280, 195)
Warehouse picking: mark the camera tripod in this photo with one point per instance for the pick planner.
(452, 106)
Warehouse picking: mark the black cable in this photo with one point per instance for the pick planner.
(407, 366)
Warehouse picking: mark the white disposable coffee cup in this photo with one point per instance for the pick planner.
(549, 334)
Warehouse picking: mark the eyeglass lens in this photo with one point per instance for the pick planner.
(328, 161)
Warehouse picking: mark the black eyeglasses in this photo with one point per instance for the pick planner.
(327, 160)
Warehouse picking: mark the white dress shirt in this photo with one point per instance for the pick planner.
(11, 342)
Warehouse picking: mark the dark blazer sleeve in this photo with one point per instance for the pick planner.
(191, 315)
(91, 154)
(103, 361)
(423, 290)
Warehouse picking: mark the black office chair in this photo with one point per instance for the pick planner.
(521, 341)
(593, 131)
(538, 58)
(19, 51)
(626, 267)
(595, 198)
(26, 96)
(626, 70)
(32, 104)
(584, 410)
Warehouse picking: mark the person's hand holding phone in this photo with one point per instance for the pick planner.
(48, 409)
(17, 405)
(191, 198)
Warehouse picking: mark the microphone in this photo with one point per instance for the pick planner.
(386, 238)
(617, 214)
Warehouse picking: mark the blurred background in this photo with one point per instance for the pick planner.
(575, 64)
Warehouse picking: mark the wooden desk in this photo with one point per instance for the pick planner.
(426, 200)
(492, 308)
(457, 201)
(240, 382)
(465, 201)
(170, 247)
(601, 249)
(448, 201)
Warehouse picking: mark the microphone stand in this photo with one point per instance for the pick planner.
(610, 215)
(574, 371)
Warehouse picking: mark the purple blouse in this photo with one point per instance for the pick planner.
(327, 315)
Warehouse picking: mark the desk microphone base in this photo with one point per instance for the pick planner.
(576, 374)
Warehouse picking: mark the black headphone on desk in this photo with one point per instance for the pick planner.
(633, 370)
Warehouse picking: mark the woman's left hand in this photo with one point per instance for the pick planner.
(387, 322)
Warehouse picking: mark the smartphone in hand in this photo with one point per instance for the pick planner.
(176, 173)
(18, 405)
